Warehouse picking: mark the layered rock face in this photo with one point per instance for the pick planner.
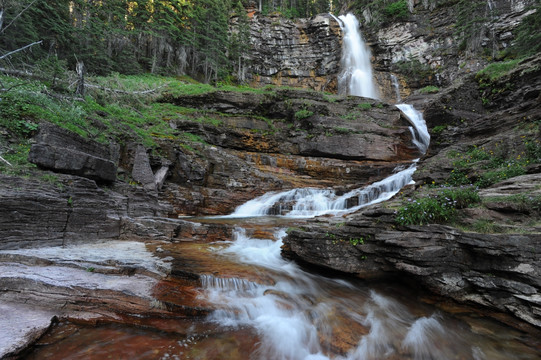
(446, 42)
(66, 152)
(281, 140)
(501, 272)
(302, 53)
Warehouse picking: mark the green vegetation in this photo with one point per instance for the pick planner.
(356, 241)
(471, 19)
(17, 156)
(117, 108)
(365, 106)
(383, 11)
(484, 166)
(303, 114)
(351, 116)
(496, 70)
(440, 207)
(397, 10)
(527, 35)
(429, 90)
(438, 129)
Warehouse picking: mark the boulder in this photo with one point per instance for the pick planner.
(62, 151)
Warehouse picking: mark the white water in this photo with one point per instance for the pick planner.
(311, 202)
(293, 315)
(356, 76)
(419, 131)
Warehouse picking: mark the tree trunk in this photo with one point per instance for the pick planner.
(80, 68)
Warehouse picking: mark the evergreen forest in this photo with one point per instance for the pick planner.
(172, 37)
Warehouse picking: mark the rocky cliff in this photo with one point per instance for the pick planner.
(226, 147)
(301, 53)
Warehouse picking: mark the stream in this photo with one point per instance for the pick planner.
(254, 304)
(265, 307)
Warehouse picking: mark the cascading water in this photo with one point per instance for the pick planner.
(310, 202)
(285, 313)
(356, 76)
(419, 131)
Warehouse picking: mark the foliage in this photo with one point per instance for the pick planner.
(17, 156)
(490, 166)
(496, 70)
(303, 114)
(356, 241)
(429, 90)
(397, 10)
(440, 207)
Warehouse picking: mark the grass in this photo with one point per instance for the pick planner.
(496, 70)
(17, 156)
(429, 90)
(487, 166)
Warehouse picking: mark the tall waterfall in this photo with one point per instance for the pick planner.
(356, 77)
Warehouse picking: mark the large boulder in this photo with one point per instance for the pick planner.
(63, 151)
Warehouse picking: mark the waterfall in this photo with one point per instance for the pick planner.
(297, 313)
(356, 76)
(419, 131)
(311, 202)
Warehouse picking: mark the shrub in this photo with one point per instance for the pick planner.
(437, 208)
(398, 10)
(303, 114)
(365, 106)
(429, 89)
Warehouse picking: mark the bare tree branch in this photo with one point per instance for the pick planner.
(4, 160)
(16, 17)
(20, 49)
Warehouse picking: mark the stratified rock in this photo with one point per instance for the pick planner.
(301, 53)
(62, 151)
(21, 325)
(498, 271)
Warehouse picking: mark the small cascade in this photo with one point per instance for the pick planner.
(311, 202)
(356, 76)
(419, 131)
(225, 284)
(396, 86)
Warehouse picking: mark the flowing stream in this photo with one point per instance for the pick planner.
(266, 307)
